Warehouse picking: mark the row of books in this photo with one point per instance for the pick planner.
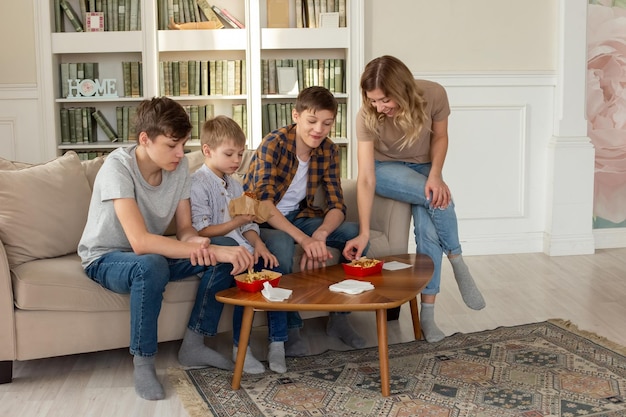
(309, 72)
(79, 124)
(70, 71)
(180, 12)
(309, 13)
(98, 15)
(198, 114)
(277, 115)
(202, 78)
(132, 78)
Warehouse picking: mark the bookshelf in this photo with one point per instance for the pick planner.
(156, 48)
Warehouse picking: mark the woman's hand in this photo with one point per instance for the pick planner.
(438, 192)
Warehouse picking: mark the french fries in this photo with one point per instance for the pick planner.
(364, 262)
(252, 276)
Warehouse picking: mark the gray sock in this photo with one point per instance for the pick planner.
(469, 291)
(147, 384)
(339, 326)
(276, 357)
(427, 322)
(194, 353)
(296, 345)
(251, 365)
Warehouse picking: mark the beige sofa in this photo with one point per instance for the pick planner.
(48, 306)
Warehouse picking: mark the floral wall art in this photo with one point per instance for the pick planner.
(606, 108)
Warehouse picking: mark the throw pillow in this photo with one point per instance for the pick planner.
(44, 209)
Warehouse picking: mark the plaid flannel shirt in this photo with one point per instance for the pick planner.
(274, 166)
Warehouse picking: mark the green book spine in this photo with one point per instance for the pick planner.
(175, 78)
(167, 74)
(272, 116)
(126, 14)
(204, 78)
(218, 76)
(72, 16)
(59, 13)
(244, 86)
(194, 118)
(210, 111)
(265, 120)
(265, 76)
(91, 125)
(125, 123)
(64, 72)
(183, 78)
(134, 79)
(65, 125)
(212, 78)
(344, 120)
(140, 78)
(119, 116)
(126, 79)
(161, 78)
(339, 76)
(78, 125)
(132, 132)
(105, 126)
(135, 23)
(85, 116)
(230, 77)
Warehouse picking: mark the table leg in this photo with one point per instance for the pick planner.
(244, 338)
(383, 350)
(415, 315)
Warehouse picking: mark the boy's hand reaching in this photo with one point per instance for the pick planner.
(315, 253)
(261, 251)
(239, 256)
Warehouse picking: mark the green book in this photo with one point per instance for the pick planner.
(105, 126)
(194, 118)
(132, 132)
(65, 125)
(92, 126)
(72, 16)
(175, 78)
(204, 78)
(126, 79)
(135, 89)
(183, 78)
(59, 17)
(265, 120)
(64, 72)
(119, 116)
(78, 125)
(212, 77)
(218, 76)
(339, 76)
(135, 23)
(210, 111)
(85, 124)
(125, 123)
(272, 117)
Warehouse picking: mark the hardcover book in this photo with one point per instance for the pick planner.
(72, 16)
(105, 125)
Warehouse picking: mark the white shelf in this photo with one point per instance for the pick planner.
(93, 145)
(96, 42)
(293, 38)
(202, 40)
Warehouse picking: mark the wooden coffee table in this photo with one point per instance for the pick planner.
(311, 293)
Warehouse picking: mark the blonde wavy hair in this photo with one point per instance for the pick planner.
(395, 80)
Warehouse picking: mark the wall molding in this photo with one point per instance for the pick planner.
(19, 92)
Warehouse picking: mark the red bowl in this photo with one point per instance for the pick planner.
(256, 285)
(359, 271)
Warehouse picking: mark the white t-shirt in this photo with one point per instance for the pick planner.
(296, 191)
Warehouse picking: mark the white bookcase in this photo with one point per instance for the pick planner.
(150, 45)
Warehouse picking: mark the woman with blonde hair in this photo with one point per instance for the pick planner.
(402, 133)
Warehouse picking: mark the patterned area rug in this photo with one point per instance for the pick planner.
(534, 370)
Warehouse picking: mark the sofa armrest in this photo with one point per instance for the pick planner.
(7, 315)
(391, 217)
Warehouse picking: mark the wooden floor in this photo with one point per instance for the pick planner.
(589, 290)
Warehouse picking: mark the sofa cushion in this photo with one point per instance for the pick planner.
(91, 167)
(44, 209)
(60, 284)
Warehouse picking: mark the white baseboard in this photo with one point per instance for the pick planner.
(610, 238)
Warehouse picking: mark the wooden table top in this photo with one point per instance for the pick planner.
(310, 288)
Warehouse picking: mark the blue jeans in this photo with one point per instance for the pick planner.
(144, 277)
(283, 247)
(436, 230)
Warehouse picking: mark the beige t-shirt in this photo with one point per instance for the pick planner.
(387, 149)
